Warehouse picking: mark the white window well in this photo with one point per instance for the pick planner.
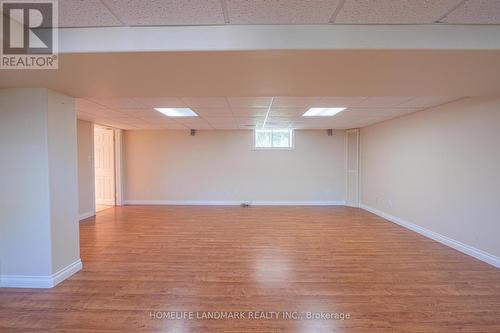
(273, 139)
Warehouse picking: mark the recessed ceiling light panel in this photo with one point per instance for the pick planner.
(177, 112)
(322, 112)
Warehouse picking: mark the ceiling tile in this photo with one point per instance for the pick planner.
(322, 122)
(166, 125)
(156, 116)
(97, 110)
(249, 102)
(289, 112)
(135, 112)
(219, 120)
(427, 101)
(205, 102)
(298, 126)
(193, 122)
(139, 122)
(127, 120)
(251, 112)
(312, 124)
(199, 126)
(277, 122)
(339, 101)
(213, 112)
(189, 120)
(226, 127)
(249, 120)
(280, 11)
(160, 118)
(362, 113)
(215, 124)
(280, 102)
(161, 102)
(357, 111)
(249, 126)
(280, 119)
(118, 103)
(393, 12)
(383, 102)
(476, 12)
(167, 12)
(174, 126)
(116, 124)
(89, 13)
(396, 112)
(88, 106)
(278, 125)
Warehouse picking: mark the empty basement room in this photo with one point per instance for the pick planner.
(230, 166)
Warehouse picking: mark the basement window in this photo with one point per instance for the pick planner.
(273, 139)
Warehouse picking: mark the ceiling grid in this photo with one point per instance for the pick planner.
(251, 112)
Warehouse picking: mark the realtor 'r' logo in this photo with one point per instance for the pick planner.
(28, 34)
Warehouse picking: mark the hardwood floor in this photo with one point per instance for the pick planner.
(100, 208)
(296, 259)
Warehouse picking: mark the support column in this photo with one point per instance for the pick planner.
(39, 235)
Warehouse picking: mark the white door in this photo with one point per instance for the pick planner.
(104, 157)
(352, 167)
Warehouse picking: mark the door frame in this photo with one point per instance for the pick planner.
(118, 163)
(118, 140)
(347, 171)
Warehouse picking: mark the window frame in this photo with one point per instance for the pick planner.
(292, 139)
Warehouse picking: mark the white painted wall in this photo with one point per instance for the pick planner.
(85, 139)
(63, 180)
(39, 235)
(222, 166)
(439, 169)
(24, 191)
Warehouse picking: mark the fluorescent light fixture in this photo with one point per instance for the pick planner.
(177, 112)
(322, 112)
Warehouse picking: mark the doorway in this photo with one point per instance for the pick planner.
(104, 164)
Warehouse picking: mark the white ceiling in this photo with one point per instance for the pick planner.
(250, 112)
(89, 13)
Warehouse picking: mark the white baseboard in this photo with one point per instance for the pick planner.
(181, 203)
(86, 215)
(48, 281)
(464, 248)
(232, 203)
(297, 203)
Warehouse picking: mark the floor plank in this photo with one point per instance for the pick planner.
(138, 260)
